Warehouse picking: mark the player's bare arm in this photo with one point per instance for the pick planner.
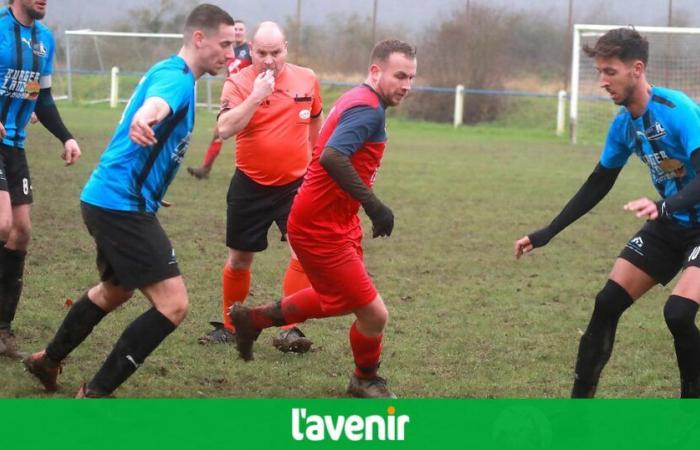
(2, 131)
(235, 119)
(590, 194)
(153, 111)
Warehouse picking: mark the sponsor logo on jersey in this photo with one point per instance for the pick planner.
(23, 84)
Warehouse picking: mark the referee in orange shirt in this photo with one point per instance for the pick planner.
(275, 111)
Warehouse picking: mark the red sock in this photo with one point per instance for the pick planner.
(212, 152)
(236, 284)
(295, 280)
(305, 304)
(367, 351)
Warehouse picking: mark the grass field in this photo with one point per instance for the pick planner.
(466, 318)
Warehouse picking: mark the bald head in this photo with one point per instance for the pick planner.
(268, 32)
(269, 48)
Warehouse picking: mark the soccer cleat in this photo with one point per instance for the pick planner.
(369, 388)
(219, 335)
(292, 340)
(8, 345)
(199, 173)
(85, 392)
(246, 332)
(44, 369)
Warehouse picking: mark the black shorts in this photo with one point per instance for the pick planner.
(662, 248)
(14, 175)
(132, 248)
(252, 208)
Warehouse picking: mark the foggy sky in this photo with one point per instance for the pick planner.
(413, 14)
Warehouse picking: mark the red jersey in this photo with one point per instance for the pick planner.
(355, 127)
(241, 59)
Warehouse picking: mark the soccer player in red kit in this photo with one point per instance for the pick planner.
(324, 228)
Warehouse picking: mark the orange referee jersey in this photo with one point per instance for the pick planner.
(273, 149)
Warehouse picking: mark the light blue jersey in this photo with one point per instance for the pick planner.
(130, 177)
(26, 63)
(664, 138)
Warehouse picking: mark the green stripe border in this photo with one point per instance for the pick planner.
(245, 424)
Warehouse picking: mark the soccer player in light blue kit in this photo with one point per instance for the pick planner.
(662, 127)
(119, 205)
(26, 61)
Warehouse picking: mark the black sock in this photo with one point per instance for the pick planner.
(11, 284)
(78, 324)
(133, 347)
(597, 342)
(679, 313)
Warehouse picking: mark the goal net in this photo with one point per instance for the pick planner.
(105, 66)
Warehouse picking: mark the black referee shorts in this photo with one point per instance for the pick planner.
(14, 175)
(252, 208)
(132, 248)
(662, 248)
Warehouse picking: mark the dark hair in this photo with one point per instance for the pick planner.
(237, 21)
(623, 43)
(207, 17)
(384, 49)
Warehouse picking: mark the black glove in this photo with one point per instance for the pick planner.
(381, 216)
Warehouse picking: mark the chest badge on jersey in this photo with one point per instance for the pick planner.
(39, 49)
(304, 114)
(655, 132)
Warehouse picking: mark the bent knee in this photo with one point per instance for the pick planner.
(5, 228)
(612, 300)
(679, 313)
(374, 318)
(20, 234)
(176, 310)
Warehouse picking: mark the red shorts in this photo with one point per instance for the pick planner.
(337, 273)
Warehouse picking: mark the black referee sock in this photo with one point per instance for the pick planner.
(597, 342)
(133, 347)
(78, 324)
(10, 284)
(679, 313)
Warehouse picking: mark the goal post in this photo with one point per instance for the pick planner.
(674, 62)
(101, 65)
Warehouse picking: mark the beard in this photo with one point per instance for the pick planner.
(36, 15)
(627, 92)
